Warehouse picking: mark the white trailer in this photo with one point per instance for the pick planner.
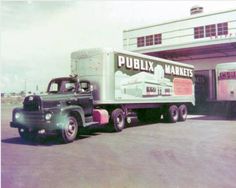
(226, 86)
(226, 81)
(136, 83)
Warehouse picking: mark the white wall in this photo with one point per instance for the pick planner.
(180, 33)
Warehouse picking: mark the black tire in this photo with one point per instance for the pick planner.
(118, 119)
(183, 112)
(26, 135)
(171, 114)
(70, 130)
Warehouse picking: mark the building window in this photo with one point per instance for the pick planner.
(149, 40)
(157, 39)
(222, 28)
(198, 32)
(140, 41)
(210, 30)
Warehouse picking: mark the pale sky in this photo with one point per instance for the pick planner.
(37, 37)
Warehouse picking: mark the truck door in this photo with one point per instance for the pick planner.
(85, 98)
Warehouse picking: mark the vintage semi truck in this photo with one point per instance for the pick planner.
(108, 85)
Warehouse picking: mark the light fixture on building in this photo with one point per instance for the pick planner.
(196, 10)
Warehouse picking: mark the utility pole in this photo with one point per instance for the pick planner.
(37, 88)
(25, 87)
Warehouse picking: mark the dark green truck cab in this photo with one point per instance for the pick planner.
(67, 105)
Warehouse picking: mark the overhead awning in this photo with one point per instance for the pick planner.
(200, 52)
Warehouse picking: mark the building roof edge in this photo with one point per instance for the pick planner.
(179, 20)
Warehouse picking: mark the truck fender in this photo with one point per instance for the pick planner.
(78, 110)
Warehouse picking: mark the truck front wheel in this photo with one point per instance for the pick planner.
(183, 112)
(70, 130)
(171, 114)
(118, 119)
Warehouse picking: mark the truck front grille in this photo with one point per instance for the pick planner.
(33, 118)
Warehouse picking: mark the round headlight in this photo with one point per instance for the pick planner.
(17, 115)
(48, 116)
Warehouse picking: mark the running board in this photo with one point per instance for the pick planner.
(88, 119)
(91, 124)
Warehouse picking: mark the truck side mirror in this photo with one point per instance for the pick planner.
(91, 88)
(85, 86)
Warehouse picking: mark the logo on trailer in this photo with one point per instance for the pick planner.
(227, 75)
(138, 64)
(135, 64)
(178, 71)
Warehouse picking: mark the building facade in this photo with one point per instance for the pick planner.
(203, 40)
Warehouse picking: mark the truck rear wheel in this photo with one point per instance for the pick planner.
(70, 130)
(183, 112)
(118, 119)
(172, 114)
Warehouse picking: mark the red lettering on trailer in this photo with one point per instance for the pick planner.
(227, 75)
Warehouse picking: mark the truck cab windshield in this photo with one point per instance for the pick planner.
(62, 86)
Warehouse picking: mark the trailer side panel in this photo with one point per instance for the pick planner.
(121, 77)
(144, 79)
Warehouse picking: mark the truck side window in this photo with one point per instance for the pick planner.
(54, 87)
(84, 86)
(70, 87)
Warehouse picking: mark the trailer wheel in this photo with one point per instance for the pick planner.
(118, 119)
(70, 130)
(183, 112)
(172, 114)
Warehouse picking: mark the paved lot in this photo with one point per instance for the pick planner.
(200, 152)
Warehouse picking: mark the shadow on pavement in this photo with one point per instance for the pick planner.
(35, 142)
(55, 140)
(95, 131)
(210, 117)
(16, 140)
